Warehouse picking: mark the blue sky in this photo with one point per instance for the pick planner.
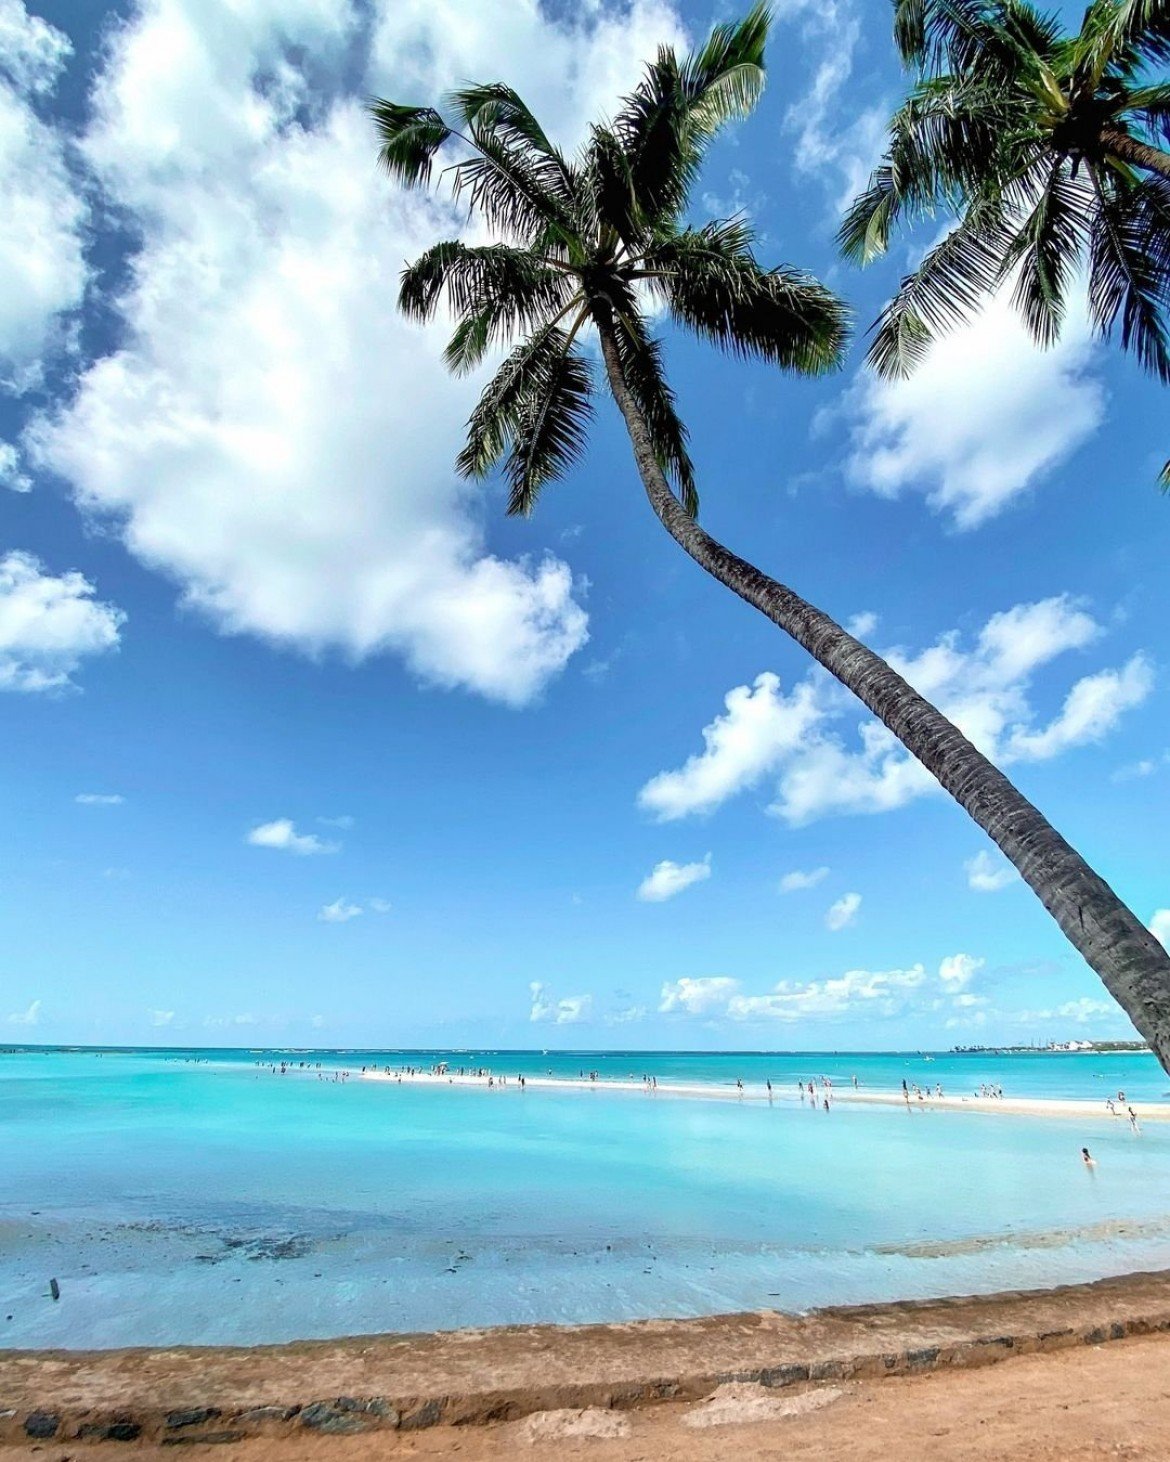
(307, 743)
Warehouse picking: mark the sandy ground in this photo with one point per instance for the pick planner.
(1004, 1106)
(1109, 1401)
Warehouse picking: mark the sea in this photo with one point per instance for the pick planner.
(250, 1196)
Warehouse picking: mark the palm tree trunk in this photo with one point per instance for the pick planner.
(1133, 965)
(1137, 154)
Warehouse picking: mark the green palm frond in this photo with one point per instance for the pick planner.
(1129, 268)
(552, 426)
(947, 288)
(472, 277)
(410, 136)
(1046, 251)
(712, 284)
(534, 413)
(674, 111)
(509, 190)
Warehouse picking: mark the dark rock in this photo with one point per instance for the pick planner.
(196, 1416)
(41, 1424)
(123, 1430)
(325, 1416)
(268, 1413)
(430, 1413)
(199, 1439)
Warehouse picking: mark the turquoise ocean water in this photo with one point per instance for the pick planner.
(199, 1197)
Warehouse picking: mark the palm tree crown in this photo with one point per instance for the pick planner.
(581, 241)
(1050, 149)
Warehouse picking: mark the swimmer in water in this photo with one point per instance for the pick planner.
(1088, 1158)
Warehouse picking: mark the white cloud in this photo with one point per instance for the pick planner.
(570, 1010)
(983, 417)
(835, 144)
(344, 823)
(282, 834)
(340, 911)
(1091, 710)
(988, 874)
(760, 726)
(667, 879)
(162, 1017)
(11, 474)
(43, 218)
(219, 1021)
(380, 906)
(696, 996)
(797, 880)
(31, 1016)
(843, 912)
(49, 624)
(878, 993)
(1160, 926)
(957, 971)
(261, 343)
(100, 799)
(985, 688)
(862, 625)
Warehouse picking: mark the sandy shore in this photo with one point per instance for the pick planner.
(698, 1091)
(1087, 1405)
(1072, 1373)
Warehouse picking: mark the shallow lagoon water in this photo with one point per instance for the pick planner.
(208, 1202)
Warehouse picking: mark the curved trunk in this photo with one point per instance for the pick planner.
(1137, 154)
(1133, 965)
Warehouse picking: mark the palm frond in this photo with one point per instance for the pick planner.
(1047, 249)
(536, 410)
(712, 284)
(663, 126)
(474, 276)
(1129, 268)
(1141, 29)
(410, 137)
(552, 427)
(954, 278)
(510, 190)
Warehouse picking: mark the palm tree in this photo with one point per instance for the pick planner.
(581, 243)
(1051, 151)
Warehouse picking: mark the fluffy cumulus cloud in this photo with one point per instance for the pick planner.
(43, 218)
(271, 434)
(282, 835)
(759, 727)
(547, 1009)
(989, 874)
(49, 624)
(1160, 926)
(697, 996)
(798, 879)
(981, 420)
(794, 742)
(667, 879)
(859, 992)
(843, 912)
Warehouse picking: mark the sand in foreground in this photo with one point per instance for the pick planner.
(1110, 1401)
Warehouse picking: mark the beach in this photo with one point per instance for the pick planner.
(1081, 1109)
(942, 1378)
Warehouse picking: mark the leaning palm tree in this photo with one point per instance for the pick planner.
(582, 242)
(1050, 150)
